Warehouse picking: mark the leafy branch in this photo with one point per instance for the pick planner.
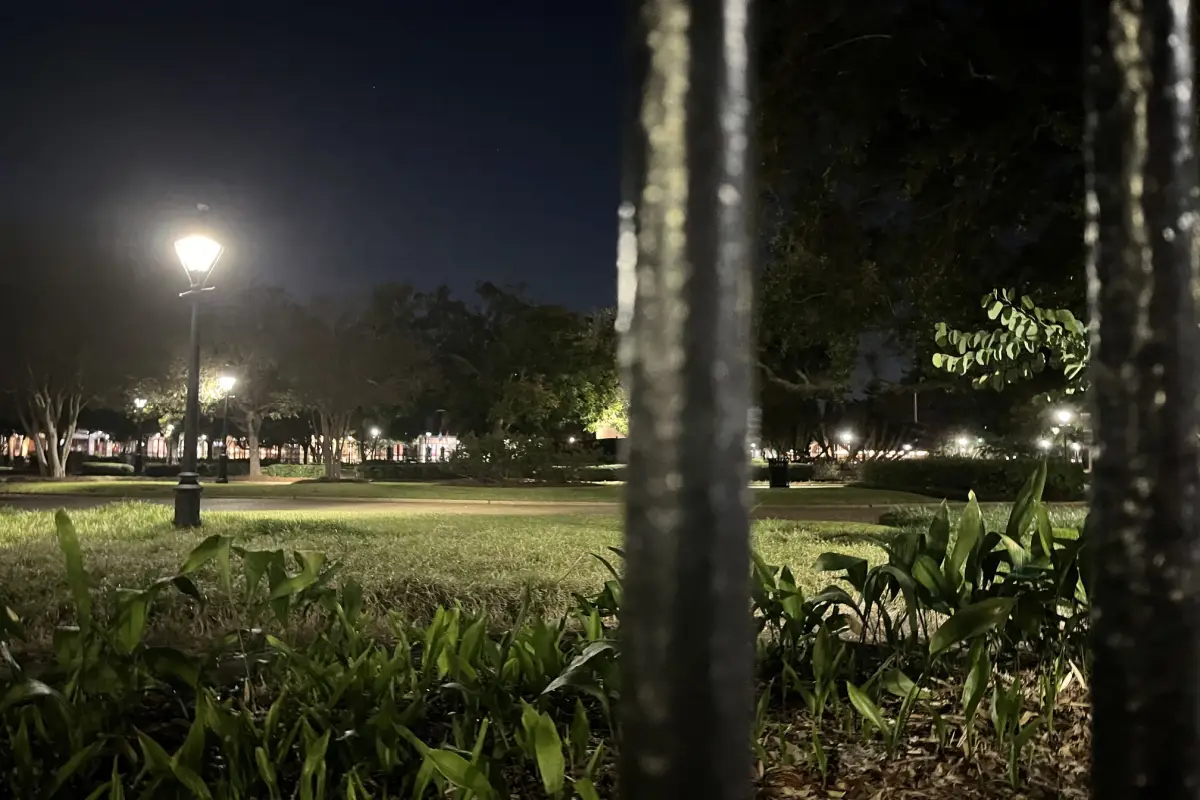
(1026, 339)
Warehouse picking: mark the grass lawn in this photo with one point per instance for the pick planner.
(593, 493)
(408, 563)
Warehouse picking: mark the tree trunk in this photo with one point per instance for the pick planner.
(253, 426)
(333, 429)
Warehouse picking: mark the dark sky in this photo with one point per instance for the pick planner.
(342, 144)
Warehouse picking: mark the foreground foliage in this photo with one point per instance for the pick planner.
(972, 633)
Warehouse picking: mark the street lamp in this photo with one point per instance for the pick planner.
(375, 433)
(198, 255)
(1063, 415)
(139, 403)
(226, 382)
(1044, 444)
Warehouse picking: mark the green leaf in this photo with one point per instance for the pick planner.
(937, 539)
(856, 568)
(586, 789)
(581, 732)
(573, 671)
(939, 360)
(969, 622)
(978, 677)
(132, 611)
(167, 663)
(68, 770)
(900, 685)
(158, 761)
(926, 572)
(214, 548)
(995, 310)
(549, 750)
(77, 579)
(866, 708)
(970, 530)
(26, 691)
(461, 773)
(1026, 503)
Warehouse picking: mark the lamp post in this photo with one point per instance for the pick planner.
(139, 405)
(375, 432)
(226, 382)
(199, 255)
(847, 439)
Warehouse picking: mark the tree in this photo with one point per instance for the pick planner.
(346, 357)
(252, 341)
(909, 162)
(510, 366)
(84, 337)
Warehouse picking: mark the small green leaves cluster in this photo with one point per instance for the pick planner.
(1025, 340)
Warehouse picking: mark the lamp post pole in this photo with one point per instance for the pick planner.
(226, 382)
(223, 459)
(187, 491)
(199, 255)
(139, 459)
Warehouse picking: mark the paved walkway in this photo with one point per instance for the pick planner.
(43, 502)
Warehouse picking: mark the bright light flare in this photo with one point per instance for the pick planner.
(1064, 415)
(226, 382)
(198, 254)
(1044, 444)
(846, 437)
(375, 433)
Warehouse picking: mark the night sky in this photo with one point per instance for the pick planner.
(341, 145)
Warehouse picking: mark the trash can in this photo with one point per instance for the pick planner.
(777, 473)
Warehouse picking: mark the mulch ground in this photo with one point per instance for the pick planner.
(1055, 765)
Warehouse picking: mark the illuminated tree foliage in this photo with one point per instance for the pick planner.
(1025, 339)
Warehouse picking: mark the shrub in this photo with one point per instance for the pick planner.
(991, 479)
(160, 470)
(797, 472)
(410, 471)
(303, 471)
(108, 468)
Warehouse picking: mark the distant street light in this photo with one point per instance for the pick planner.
(1044, 444)
(1064, 415)
(907, 448)
(571, 440)
(375, 433)
(226, 383)
(198, 255)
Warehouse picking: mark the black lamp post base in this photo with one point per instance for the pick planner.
(187, 500)
(223, 469)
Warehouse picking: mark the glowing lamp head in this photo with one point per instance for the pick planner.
(846, 437)
(226, 382)
(571, 440)
(1043, 444)
(1064, 415)
(198, 254)
(375, 433)
(907, 448)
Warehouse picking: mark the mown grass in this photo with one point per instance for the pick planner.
(407, 563)
(591, 493)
